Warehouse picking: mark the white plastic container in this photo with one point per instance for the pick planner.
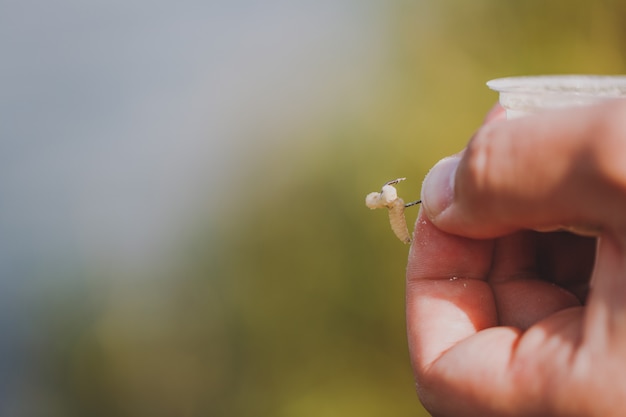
(521, 96)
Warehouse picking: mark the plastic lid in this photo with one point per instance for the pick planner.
(525, 95)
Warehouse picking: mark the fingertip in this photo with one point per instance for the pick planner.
(497, 112)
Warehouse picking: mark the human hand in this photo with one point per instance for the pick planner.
(500, 318)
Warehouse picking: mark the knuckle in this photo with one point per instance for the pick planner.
(476, 181)
(608, 146)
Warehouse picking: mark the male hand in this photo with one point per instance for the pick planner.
(504, 320)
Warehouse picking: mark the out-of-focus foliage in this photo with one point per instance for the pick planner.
(289, 299)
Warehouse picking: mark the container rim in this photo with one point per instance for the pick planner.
(595, 85)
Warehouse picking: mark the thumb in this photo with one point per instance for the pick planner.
(565, 167)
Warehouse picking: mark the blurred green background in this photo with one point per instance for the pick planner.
(182, 219)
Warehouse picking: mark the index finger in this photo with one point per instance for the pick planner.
(448, 299)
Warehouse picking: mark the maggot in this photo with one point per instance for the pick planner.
(388, 197)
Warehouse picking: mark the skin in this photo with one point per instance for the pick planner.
(504, 320)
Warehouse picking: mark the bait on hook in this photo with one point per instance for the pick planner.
(388, 198)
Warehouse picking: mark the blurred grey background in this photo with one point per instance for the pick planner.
(182, 219)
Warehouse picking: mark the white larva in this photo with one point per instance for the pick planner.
(388, 198)
(398, 221)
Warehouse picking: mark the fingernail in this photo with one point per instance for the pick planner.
(438, 186)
